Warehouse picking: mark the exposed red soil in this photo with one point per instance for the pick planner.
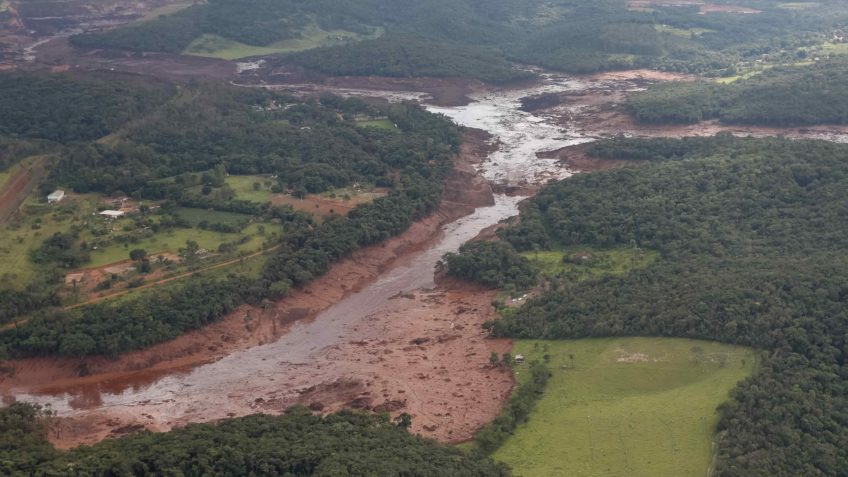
(577, 160)
(440, 91)
(322, 206)
(704, 7)
(716, 8)
(59, 53)
(250, 326)
(598, 111)
(425, 354)
(18, 187)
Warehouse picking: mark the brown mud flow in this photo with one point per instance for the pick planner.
(307, 350)
(376, 332)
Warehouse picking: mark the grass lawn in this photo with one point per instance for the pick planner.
(312, 37)
(175, 239)
(625, 407)
(4, 5)
(834, 49)
(164, 10)
(37, 222)
(195, 216)
(243, 187)
(587, 263)
(377, 123)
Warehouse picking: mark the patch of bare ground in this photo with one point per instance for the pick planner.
(577, 160)
(598, 111)
(438, 91)
(425, 354)
(59, 53)
(343, 377)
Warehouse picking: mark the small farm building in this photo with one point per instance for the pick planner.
(55, 196)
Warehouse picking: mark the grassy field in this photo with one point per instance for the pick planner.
(586, 263)
(834, 49)
(377, 123)
(17, 239)
(164, 10)
(4, 5)
(625, 407)
(243, 187)
(195, 216)
(312, 37)
(39, 221)
(175, 239)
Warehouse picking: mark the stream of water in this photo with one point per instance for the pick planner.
(228, 386)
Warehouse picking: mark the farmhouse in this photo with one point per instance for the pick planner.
(56, 196)
(113, 214)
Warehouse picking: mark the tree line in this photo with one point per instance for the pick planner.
(415, 158)
(296, 443)
(751, 240)
(782, 96)
(74, 106)
(476, 39)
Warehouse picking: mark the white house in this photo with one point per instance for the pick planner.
(112, 214)
(56, 196)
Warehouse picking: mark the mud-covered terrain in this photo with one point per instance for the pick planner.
(376, 332)
(30, 26)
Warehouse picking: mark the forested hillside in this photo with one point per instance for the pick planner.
(408, 57)
(179, 157)
(66, 108)
(782, 96)
(295, 444)
(568, 35)
(751, 238)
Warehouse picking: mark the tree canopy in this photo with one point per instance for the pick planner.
(751, 236)
(297, 443)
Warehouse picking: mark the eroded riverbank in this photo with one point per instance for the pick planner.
(376, 332)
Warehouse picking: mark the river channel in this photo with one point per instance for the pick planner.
(230, 386)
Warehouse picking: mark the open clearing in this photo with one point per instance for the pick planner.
(38, 221)
(625, 407)
(313, 36)
(377, 123)
(578, 264)
(164, 10)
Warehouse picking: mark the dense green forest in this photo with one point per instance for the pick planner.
(782, 96)
(66, 108)
(493, 264)
(569, 35)
(408, 57)
(294, 444)
(181, 150)
(751, 235)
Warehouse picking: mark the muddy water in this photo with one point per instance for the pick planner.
(520, 134)
(232, 385)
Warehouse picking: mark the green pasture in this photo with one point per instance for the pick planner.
(634, 407)
(196, 216)
(243, 186)
(311, 37)
(580, 264)
(377, 123)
